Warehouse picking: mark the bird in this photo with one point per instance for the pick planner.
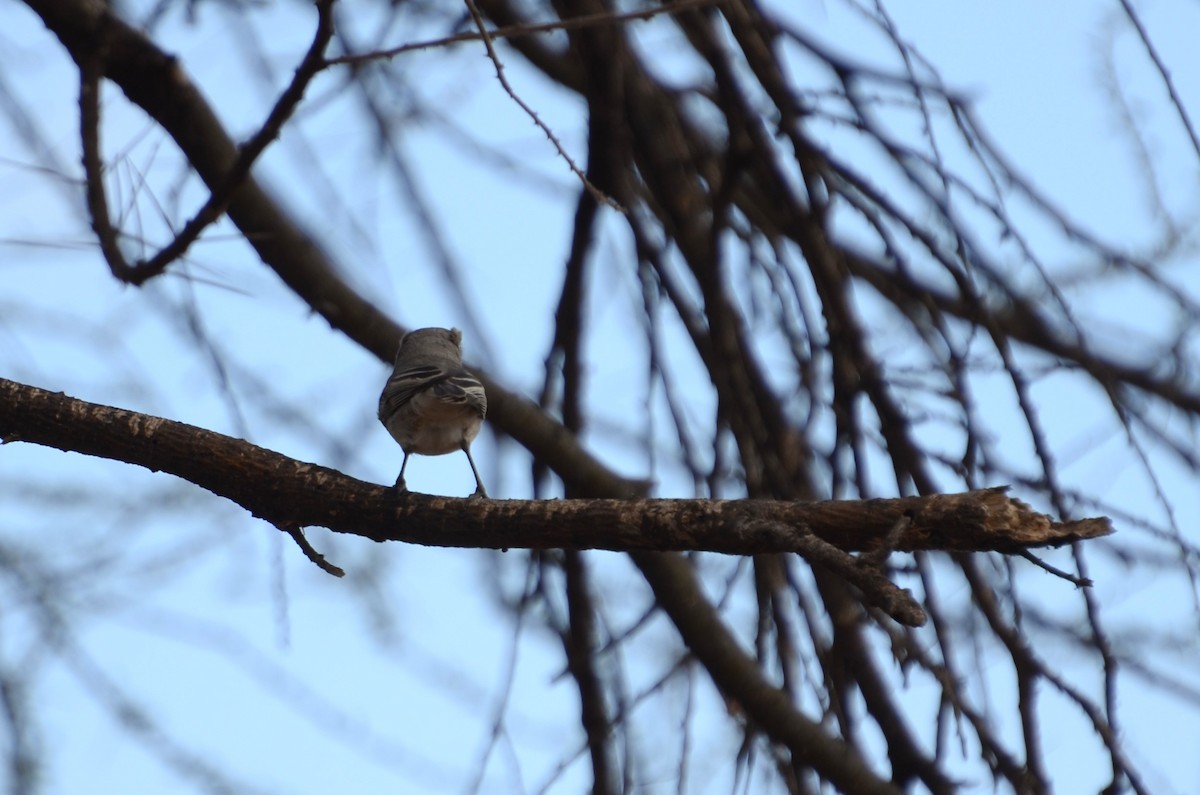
(430, 404)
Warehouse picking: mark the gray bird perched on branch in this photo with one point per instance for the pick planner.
(431, 405)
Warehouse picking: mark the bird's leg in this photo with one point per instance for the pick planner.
(480, 491)
(401, 487)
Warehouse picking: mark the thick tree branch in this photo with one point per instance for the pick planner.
(290, 493)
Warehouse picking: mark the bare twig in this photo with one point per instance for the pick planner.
(309, 552)
(1164, 74)
(530, 29)
(486, 37)
(1080, 582)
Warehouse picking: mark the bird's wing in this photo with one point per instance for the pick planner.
(404, 384)
(462, 388)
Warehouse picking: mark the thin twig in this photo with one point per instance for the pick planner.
(531, 29)
(316, 557)
(486, 37)
(1080, 582)
(1163, 73)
